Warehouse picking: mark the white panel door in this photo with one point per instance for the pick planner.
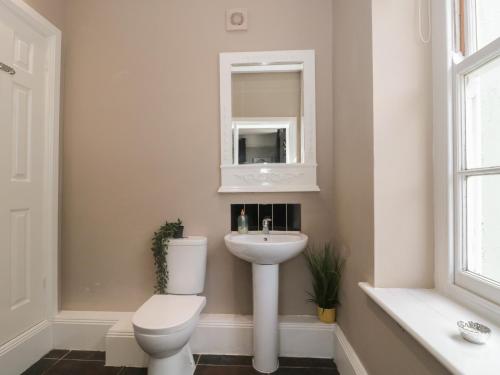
(22, 138)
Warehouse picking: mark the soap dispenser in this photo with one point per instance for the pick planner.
(243, 223)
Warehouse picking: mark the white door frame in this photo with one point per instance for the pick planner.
(51, 147)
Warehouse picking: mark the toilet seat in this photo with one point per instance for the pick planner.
(165, 314)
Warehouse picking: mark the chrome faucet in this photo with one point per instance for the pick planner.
(265, 225)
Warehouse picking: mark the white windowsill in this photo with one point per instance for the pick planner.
(432, 320)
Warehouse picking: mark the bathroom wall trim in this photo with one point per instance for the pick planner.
(346, 359)
(300, 336)
(83, 330)
(22, 351)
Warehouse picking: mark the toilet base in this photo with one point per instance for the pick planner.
(181, 363)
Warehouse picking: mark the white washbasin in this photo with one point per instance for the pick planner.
(271, 248)
(265, 252)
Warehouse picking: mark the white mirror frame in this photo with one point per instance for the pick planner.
(269, 177)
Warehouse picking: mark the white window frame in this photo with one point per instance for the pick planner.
(449, 70)
(464, 278)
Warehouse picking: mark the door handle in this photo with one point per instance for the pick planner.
(7, 69)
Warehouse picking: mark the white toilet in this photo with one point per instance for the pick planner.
(164, 324)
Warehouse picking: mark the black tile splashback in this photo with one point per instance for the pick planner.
(284, 216)
(279, 217)
(252, 211)
(293, 216)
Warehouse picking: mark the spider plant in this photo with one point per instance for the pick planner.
(326, 269)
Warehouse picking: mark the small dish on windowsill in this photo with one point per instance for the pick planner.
(474, 332)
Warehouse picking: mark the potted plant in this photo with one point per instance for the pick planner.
(160, 249)
(326, 270)
(178, 229)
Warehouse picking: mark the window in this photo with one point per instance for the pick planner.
(478, 24)
(477, 148)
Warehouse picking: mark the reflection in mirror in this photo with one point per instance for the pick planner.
(265, 140)
(267, 113)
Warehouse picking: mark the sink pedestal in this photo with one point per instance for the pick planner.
(265, 252)
(265, 317)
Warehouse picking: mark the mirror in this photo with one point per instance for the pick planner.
(268, 121)
(266, 114)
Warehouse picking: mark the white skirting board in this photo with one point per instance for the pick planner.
(20, 353)
(346, 359)
(84, 330)
(300, 336)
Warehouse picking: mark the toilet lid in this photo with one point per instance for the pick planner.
(163, 314)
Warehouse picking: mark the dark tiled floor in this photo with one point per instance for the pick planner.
(76, 362)
(225, 360)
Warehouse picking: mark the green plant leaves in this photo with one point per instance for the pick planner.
(159, 248)
(326, 270)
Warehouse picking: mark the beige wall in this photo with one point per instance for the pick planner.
(141, 143)
(383, 347)
(53, 10)
(402, 107)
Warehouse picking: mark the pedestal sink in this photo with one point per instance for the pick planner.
(265, 252)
